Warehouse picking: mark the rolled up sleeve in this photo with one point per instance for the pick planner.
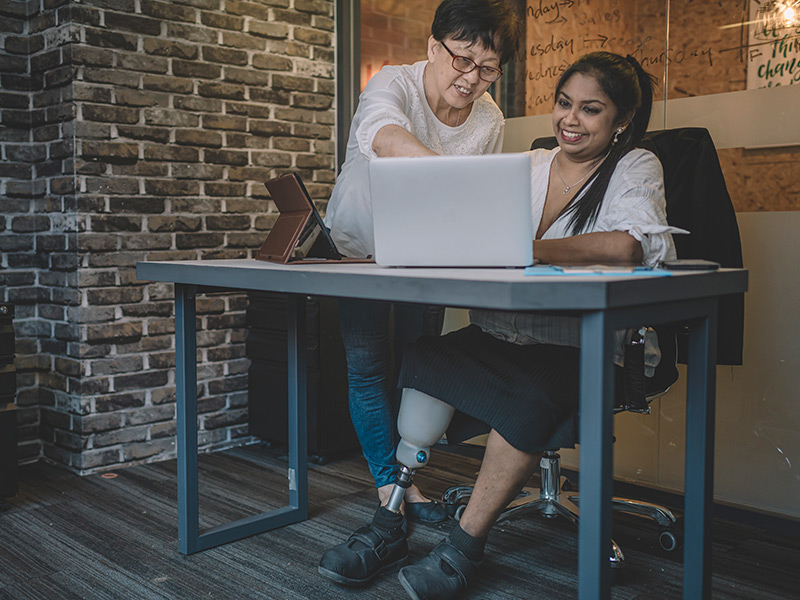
(383, 102)
(640, 210)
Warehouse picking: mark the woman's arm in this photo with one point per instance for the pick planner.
(606, 247)
(393, 140)
(384, 111)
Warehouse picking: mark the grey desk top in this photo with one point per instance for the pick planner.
(505, 289)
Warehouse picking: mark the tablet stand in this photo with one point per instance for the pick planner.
(299, 233)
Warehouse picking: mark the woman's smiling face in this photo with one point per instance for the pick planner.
(456, 89)
(584, 118)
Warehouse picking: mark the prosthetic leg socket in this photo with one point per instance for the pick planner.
(421, 423)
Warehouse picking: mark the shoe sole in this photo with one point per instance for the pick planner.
(423, 522)
(351, 582)
(407, 587)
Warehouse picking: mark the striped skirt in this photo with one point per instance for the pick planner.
(528, 393)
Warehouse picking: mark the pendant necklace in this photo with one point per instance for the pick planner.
(568, 187)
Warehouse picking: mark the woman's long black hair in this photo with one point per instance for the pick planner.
(630, 88)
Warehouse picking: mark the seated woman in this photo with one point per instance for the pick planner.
(596, 199)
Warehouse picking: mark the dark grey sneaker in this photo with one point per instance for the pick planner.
(442, 575)
(428, 513)
(365, 554)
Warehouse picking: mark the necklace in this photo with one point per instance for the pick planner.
(458, 118)
(568, 187)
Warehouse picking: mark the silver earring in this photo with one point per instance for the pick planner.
(616, 135)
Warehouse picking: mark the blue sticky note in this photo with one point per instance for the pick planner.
(596, 271)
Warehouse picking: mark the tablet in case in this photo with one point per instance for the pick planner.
(299, 234)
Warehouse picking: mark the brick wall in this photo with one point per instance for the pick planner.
(133, 130)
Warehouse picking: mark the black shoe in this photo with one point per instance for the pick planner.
(442, 575)
(425, 512)
(365, 554)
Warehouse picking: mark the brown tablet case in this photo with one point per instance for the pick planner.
(299, 234)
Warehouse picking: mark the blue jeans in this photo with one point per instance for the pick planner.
(370, 347)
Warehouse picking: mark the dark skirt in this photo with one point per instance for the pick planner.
(528, 393)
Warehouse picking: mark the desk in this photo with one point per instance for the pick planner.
(604, 304)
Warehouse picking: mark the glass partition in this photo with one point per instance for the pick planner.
(707, 47)
(692, 49)
(734, 46)
(557, 33)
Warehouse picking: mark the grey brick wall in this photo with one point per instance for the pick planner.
(134, 130)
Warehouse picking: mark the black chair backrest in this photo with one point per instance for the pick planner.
(698, 201)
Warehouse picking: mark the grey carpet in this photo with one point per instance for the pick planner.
(69, 537)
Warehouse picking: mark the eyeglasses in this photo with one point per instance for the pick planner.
(462, 64)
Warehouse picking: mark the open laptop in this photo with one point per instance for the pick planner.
(452, 211)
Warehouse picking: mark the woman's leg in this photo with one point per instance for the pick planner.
(410, 322)
(382, 544)
(450, 567)
(504, 471)
(373, 397)
(365, 333)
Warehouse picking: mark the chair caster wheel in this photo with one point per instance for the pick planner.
(455, 499)
(457, 511)
(670, 539)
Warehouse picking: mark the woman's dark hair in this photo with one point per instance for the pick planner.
(493, 23)
(627, 85)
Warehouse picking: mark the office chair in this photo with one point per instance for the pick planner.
(698, 201)
(552, 498)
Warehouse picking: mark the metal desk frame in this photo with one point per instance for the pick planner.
(604, 304)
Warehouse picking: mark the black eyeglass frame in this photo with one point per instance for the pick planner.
(474, 65)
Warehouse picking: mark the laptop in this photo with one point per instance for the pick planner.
(452, 211)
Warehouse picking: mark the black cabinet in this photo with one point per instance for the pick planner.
(8, 409)
(330, 431)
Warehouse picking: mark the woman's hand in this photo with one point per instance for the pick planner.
(605, 247)
(393, 140)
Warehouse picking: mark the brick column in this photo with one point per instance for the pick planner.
(144, 130)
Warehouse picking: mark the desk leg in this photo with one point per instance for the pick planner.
(298, 420)
(186, 399)
(596, 461)
(189, 537)
(699, 486)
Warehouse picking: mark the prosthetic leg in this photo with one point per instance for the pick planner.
(421, 423)
(382, 544)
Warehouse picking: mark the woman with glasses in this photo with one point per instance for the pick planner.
(437, 106)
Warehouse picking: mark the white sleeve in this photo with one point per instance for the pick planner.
(385, 101)
(635, 203)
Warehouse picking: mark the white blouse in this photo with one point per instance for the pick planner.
(396, 96)
(634, 203)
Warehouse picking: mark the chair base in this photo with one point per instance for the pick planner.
(551, 502)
